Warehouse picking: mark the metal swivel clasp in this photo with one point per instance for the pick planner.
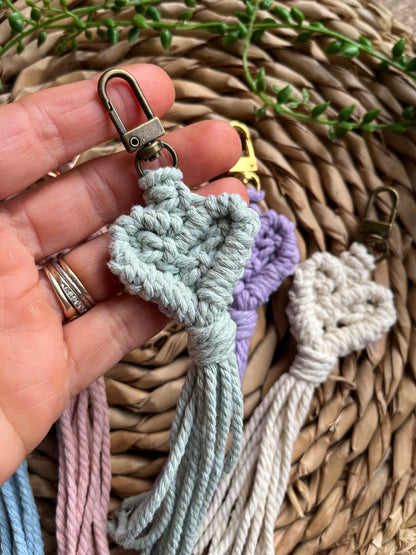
(376, 233)
(144, 139)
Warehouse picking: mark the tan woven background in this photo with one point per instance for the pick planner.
(353, 478)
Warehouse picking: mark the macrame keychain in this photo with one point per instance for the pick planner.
(186, 253)
(20, 532)
(273, 256)
(334, 308)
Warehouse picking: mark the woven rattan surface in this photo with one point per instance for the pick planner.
(353, 480)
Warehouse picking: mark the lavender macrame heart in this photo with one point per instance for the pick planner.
(273, 257)
(187, 253)
(334, 308)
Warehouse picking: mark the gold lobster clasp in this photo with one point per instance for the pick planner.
(376, 233)
(246, 167)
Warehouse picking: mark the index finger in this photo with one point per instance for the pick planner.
(46, 129)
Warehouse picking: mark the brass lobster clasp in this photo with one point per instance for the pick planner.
(376, 233)
(143, 139)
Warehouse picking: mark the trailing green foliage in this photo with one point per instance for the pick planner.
(125, 19)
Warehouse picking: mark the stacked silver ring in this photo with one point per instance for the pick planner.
(72, 294)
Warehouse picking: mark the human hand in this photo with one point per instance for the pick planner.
(44, 360)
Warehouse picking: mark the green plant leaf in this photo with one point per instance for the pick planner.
(166, 38)
(35, 14)
(334, 47)
(319, 109)
(293, 104)
(408, 113)
(317, 25)
(305, 95)
(190, 3)
(349, 51)
(41, 37)
(20, 47)
(346, 113)
(278, 108)
(133, 34)
(365, 42)
(402, 61)
(411, 66)
(282, 13)
(398, 48)
(242, 28)
(232, 37)
(187, 16)
(370, 115)
(154, 14)
(16, 22)
(243, 16)
(303, 37)
(332, 134)
(257, 35)
(260, 81)
(140, 22)
(266, 4)
(284, 94)
(341, 132)
(261, 112)
(297, 15)
(383, 67)
(109, 23)
(113, 35)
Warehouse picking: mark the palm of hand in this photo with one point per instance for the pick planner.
(34, 357)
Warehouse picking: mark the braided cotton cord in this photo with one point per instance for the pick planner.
(187, 253)
(20, 532)
(273, 258)
(333, 309)
(84, 473)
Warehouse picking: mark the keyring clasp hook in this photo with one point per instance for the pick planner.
(376, 233)
(143, 139)
(246, 167)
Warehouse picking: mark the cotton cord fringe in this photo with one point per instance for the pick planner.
(84, 473)
(333, 309)
(187, 253)
(20, 532)
(273, 258)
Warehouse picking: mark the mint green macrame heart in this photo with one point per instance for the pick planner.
(186, 253)
(183, 251)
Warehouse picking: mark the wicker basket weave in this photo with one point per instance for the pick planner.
(353, 479)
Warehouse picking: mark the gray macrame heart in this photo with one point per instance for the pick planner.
(183, 251)
(334, 306)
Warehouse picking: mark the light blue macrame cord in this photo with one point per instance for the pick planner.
(187, 253)
(20, 532)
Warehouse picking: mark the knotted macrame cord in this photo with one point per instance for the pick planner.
(187, 253)
(333, 309)
(84, 473)
(20, 532)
